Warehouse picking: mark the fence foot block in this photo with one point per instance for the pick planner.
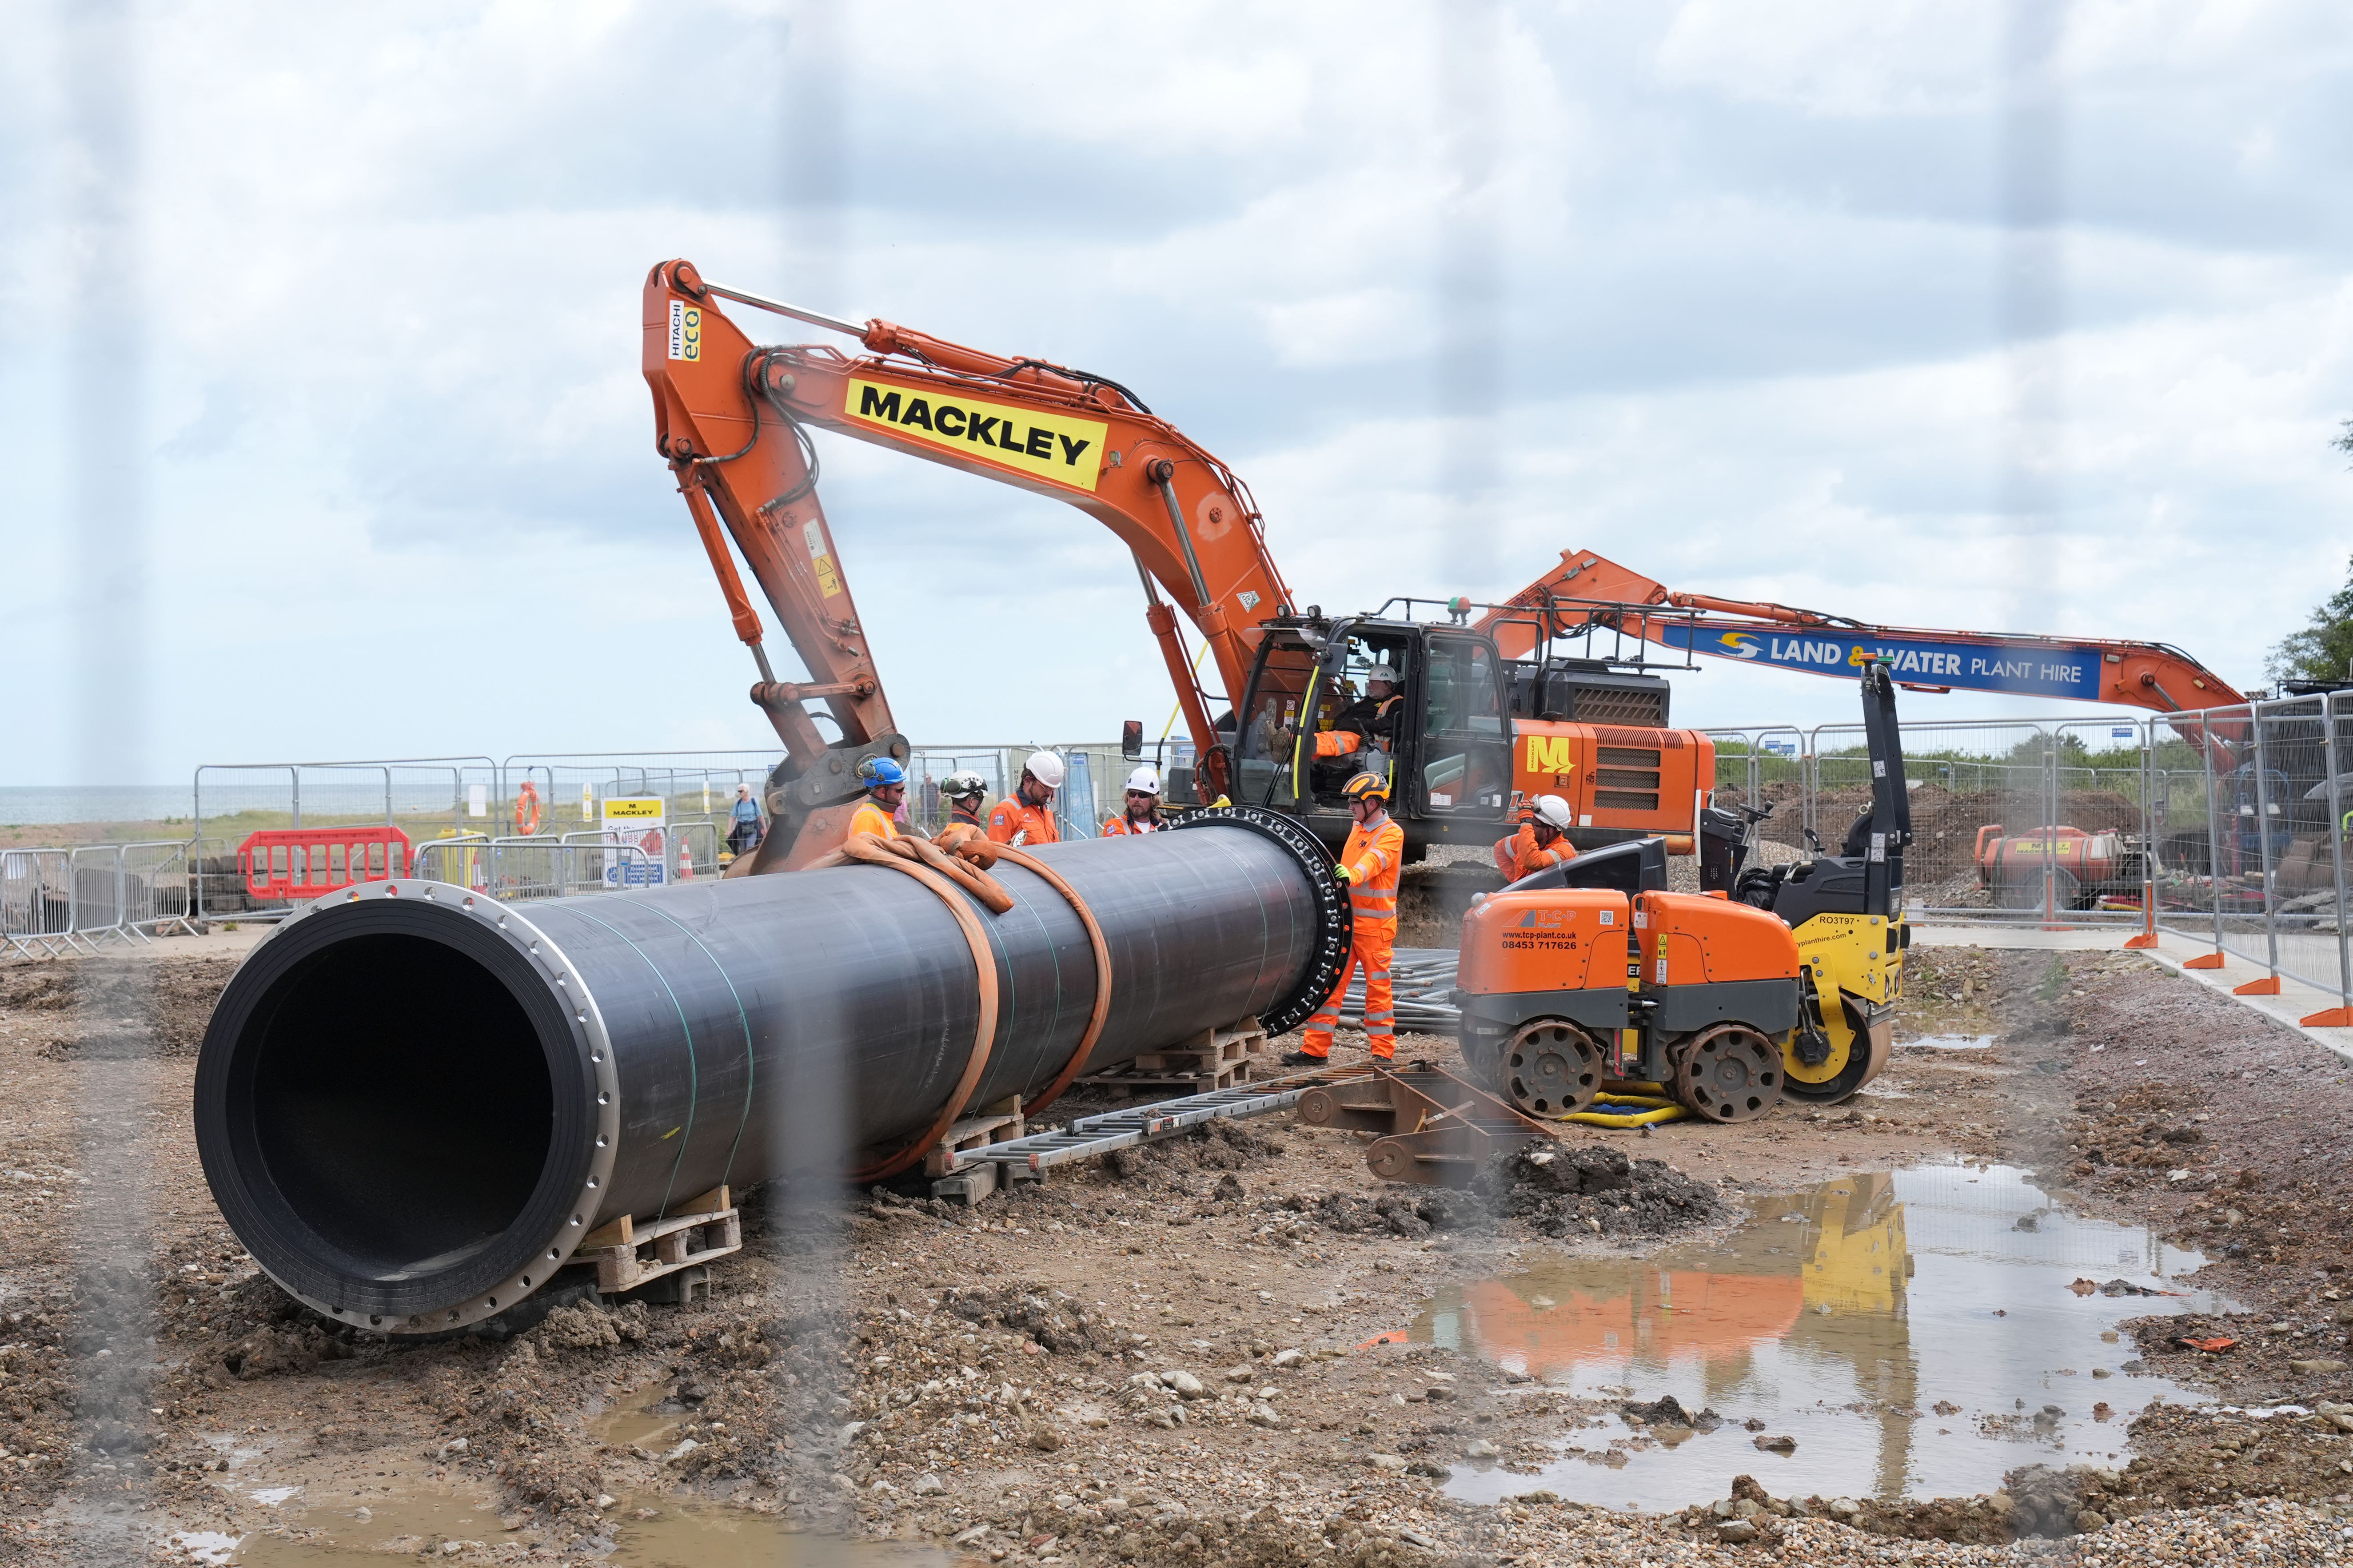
(2211, 960)
(2334, 1018)
(2146, 939)
(2267, 986)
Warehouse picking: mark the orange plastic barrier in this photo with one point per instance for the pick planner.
(304, 862)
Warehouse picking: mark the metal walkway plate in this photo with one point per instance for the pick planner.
(1088, 1136)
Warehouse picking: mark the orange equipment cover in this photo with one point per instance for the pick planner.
(1562, 939)
(1641, 781)
(306, 862)
(1700, 940)
(2093, 855)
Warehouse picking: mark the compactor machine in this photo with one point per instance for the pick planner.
(1771, 983)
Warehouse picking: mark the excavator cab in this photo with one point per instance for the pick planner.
(1442, 738)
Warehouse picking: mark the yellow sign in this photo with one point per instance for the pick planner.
(1051, 446)
(821, 558)
(615, 809)
(1551, 754)
(685, 331)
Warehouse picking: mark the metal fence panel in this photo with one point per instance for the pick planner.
(36, 903)
(156, 887)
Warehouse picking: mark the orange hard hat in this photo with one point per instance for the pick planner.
(1368, 786)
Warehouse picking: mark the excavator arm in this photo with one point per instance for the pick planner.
(731, 419)
(1587, 591)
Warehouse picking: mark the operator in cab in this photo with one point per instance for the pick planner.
(1542, 840)
(964, 791)
(886, 791)
(1026, 816)
(1143, 813)
(1368, 869)
(1368, 722)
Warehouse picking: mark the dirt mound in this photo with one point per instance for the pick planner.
(1212, 1146)
(1413, 1213)
(1561, 1189)
(1047, 1316)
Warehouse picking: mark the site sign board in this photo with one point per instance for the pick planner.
(634, 823)
(1956, 662)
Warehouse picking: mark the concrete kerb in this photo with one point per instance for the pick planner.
(2295, 1001)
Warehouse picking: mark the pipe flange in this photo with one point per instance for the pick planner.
(1334, 923)
(595, 1045)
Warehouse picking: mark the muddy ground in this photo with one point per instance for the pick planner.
(1174, 1357)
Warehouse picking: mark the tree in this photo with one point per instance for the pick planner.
(2323, 649)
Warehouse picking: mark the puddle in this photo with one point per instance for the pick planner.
(1949, 1042)
(1842, 1316)
(679, 1535)
(382, 1522)
(635, 1419)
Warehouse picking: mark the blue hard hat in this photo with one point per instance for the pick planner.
(880, 771)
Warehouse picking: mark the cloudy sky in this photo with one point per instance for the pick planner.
(325, 435)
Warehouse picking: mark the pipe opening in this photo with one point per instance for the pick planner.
(400, 1103)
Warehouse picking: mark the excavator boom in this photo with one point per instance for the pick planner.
(731, 417)
(1588, 590)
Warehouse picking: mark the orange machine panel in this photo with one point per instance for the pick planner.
(1688, 940)
(1562, 939)
(1645, 781)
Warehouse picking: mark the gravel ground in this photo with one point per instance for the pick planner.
(1171, 1358)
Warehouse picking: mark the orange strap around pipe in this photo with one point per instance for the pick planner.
(1086, 1046)
(984, 958)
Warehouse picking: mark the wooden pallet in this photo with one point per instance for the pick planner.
(999, 1123)
(706, 1228)
(1211, 1060)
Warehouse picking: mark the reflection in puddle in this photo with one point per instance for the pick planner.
(1903, 1328)
(1947, 1043)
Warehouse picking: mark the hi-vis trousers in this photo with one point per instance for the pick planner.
(1370, 947)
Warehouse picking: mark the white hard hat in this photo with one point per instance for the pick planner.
(1145, 780)
(1551, 808)
(1045, 768)
(1382, 673)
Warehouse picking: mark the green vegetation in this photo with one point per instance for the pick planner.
(2323, 649)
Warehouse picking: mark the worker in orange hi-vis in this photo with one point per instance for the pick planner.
(1143, 813)
(886, 787)
(1542, 840)
(964, 791)
(1368, 869)
(1370, 721)
(1026, 816)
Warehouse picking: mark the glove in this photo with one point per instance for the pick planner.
(1342, 875)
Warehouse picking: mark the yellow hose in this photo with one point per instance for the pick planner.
(1656, 1109)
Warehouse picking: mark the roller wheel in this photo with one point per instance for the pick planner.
(1550, 1069)
(1728, 1073)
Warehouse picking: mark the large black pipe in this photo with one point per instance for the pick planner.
(414, 1101)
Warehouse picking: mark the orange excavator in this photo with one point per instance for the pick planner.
(1467, 739)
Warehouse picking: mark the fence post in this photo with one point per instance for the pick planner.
(2206, 744)
(2341, 1016)
(196, 848)
(2269, 984)
(295, 773)
(2048, 833)
(2148, 937)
